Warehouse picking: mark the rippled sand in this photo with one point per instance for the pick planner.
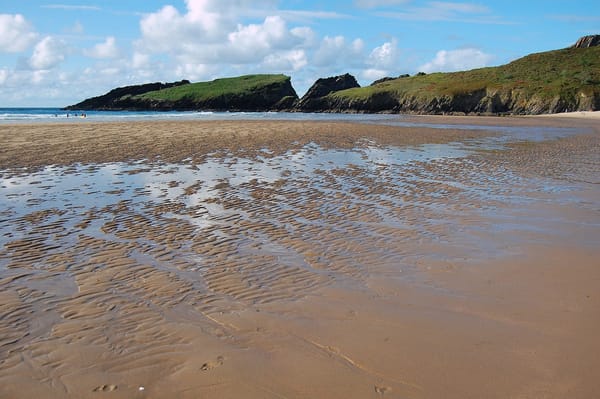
(441, 257)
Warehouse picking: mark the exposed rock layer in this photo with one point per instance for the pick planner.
(588, 41)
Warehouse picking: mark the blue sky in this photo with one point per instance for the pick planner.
(55, 53)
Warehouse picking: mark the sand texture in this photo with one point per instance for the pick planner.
(430, 258)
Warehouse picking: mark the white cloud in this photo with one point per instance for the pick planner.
(206, 21)
(209, 33)
(336, 50)
(140, 60)
(16, 33)
(48, 53)
(286, 60)
(457, 60)
(381, 61)
(384, 56)
(194, 71)
(254, 42)
(106, 49)
(372, 74)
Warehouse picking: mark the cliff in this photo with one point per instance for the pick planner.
(550, 82)
(243, 93)
(587, 41)
(313, 100)
(113, 99)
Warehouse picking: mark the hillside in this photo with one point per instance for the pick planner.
(112, 99)
(549, 82)
(243, 93)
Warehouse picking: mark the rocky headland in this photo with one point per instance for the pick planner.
(549, 82)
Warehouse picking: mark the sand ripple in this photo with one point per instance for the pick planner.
(118, 276)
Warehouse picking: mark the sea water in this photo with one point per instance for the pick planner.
(29, 115)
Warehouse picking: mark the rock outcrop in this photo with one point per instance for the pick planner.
(113, 100)
(478, 102)
(273, 96)
(243, 93)
(313, 100)
(587, 41)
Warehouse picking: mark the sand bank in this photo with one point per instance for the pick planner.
(578, 114)
(300, 259)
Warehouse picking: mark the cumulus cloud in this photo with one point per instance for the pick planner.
(381, 61)
(48, 53)
(337, 50)
(140, 60)
(286, 60)
(205, 21)
(255, 41)
(107, 49)
(210, 33)
(384, 56)
(457, 60)
(16, 33)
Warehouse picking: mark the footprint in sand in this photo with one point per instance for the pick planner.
(211, 365)
(105, 388)
(382, 390)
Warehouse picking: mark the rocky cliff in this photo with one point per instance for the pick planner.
(313, 100)
(587, 41)
(550, 82)
(243, 93)
(113, 100)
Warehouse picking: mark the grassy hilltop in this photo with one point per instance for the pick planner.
(553, 81)
(242, 93)
(225, 90)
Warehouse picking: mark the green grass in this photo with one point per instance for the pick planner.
(548, 74)
(203, 91)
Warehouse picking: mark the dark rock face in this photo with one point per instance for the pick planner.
(313, 99)
(112, 99)
(477, 102)
(587, 41)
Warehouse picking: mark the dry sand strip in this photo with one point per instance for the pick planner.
(469, 277)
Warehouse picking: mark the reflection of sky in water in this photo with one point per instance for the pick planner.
(77, 189)
(97, 186)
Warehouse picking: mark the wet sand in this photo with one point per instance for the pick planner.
(288, 259)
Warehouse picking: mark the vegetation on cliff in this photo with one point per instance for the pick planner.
(553, 81)
(548, 82)
(243, 93)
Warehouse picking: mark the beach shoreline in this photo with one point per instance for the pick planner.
(439, 257)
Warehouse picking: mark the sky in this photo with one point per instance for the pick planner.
(58, 52)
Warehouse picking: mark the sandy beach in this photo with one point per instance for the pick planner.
(428, 257)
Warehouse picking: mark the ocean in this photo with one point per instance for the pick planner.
(28, 115)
